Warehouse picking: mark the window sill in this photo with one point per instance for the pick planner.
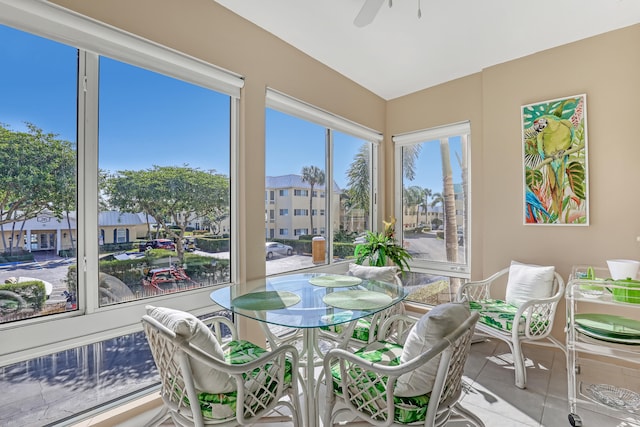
(134, 413)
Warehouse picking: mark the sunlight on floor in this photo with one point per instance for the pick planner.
(489, 393)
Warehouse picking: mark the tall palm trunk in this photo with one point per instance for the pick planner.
(450, 223)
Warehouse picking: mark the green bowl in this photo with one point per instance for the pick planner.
(629, 291)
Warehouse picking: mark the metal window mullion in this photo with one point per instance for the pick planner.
(234, 169)
(328, 197)
(88, 226)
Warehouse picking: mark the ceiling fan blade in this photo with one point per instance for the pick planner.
(368, 12)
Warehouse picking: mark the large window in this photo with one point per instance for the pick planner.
(326, 163)
(175, 174)
(118, 151)
(38, 173)
(432, 208)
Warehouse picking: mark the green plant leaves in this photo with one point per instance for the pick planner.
(379, 249)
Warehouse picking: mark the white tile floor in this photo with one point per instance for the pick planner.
(492, 395)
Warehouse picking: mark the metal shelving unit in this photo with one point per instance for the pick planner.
(603, 370)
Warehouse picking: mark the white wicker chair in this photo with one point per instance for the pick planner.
(263, 384)
(365, 330)
(531, 321)
(365, 390)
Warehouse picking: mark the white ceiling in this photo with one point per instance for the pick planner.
(399, 54)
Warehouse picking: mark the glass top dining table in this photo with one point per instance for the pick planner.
(308, 301)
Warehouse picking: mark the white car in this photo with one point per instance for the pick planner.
(275, 248)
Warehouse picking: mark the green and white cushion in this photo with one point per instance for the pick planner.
(223, 405)
(500, 315)
(360, 331)
(407, 409)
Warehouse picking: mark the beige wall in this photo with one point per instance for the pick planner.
(604, 67)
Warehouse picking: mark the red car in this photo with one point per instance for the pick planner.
(166, 279)
(157, 244)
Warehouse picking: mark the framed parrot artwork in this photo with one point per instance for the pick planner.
(554, 136)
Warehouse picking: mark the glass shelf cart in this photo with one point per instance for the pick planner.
(603, 346)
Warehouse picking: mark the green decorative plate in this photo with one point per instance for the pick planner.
(357, 300)
(335, 281)
(608, 325)
(267, 300)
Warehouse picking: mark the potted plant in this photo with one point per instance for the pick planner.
(380, 249)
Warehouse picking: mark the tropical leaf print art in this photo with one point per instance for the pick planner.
(554, 137)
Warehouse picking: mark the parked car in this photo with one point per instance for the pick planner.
(189, 244)
(157, 244)
(275, 248)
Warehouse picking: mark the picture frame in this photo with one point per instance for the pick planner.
(554, 154)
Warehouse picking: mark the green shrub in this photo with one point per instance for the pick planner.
(210, 245)
(67, 253)
(72, 279)
(343, 250)
(33, 292)
(117, 247)
(16, 257)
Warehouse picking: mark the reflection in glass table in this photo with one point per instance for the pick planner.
(309, 301)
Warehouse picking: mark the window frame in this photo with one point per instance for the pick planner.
(40, 336)
(286, 104)
(458, 270)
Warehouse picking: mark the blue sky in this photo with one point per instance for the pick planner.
(148, 119)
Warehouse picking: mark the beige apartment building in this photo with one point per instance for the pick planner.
(287, 210)
(415, 216)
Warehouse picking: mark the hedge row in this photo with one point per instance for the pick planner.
(340, 249)
(212, 245)
(6, 257)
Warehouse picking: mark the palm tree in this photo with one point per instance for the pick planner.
(410, 154)
(426, 193)
(359, 183)
(450, 228)
(312, 175)
(413, 197)
(437, 199)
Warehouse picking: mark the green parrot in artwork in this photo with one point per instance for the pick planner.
(554, 137)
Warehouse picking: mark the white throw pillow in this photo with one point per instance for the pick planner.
(528, 282)
(383, 274)
(197, 333)
(432, 327)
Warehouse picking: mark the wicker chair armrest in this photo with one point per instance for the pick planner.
(242, 368)
(399, 325)
(215, 323)
(538, 315)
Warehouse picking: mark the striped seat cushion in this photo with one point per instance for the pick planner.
(407, 409)
(223, 405)
(500, 315)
